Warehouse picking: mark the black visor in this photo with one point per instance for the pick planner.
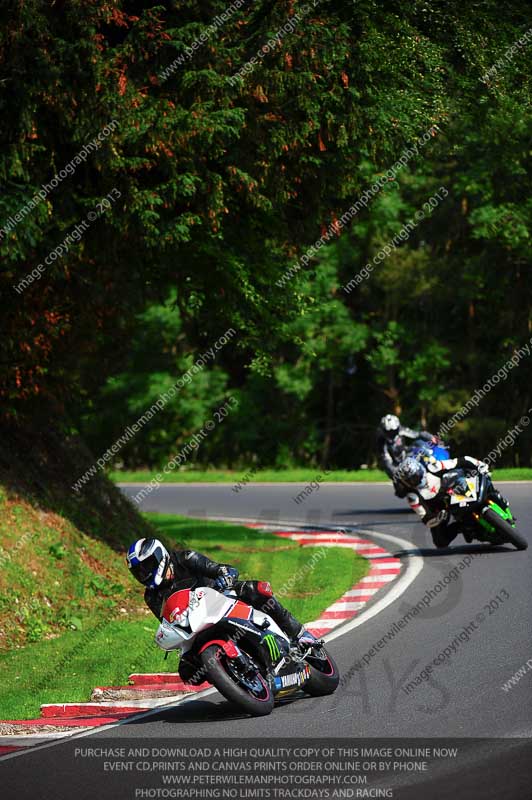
(415, 478)
(145, 570)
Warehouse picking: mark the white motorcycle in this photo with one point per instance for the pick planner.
(242, 651)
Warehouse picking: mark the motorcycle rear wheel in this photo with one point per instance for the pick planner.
(258, 705)
(507, 531)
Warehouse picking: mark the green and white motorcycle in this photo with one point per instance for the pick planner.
(480, 514)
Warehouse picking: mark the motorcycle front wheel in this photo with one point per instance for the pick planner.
(251, 692)
(507, 532)
(324, 674)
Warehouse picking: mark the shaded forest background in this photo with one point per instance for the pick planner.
(223, 186)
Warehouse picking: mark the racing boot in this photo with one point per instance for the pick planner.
(260, 595)
(285, 620)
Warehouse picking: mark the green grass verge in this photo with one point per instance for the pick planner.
(67, 668)
(513, 474)
(302, 475)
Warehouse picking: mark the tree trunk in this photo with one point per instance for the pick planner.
(325, 453)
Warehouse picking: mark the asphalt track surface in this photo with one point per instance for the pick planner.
(462, 698)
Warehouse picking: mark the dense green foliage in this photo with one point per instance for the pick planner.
(220, 184)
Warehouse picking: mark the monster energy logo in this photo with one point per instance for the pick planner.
(273, 647)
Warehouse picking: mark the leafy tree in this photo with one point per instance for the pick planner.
(159, 358)
(220, 183)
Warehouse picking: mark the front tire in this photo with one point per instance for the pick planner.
(324, 674)
(507, 531)
(216, 663)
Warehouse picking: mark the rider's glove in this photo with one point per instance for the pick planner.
(432, 520)
(483, 468)
(400, 490)
(225, 578)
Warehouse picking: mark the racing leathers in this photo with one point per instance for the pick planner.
(440, 477)
(191, 569)
(391, 451)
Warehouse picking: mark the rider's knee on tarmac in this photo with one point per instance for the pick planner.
(443, 538)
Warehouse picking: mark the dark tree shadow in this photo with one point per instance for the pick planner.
(41, 463)
(200, 711)
(435, 552)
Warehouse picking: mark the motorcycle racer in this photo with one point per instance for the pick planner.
(393, 440)
(164, 572)
(425, 482)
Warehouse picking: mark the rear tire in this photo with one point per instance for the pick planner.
(324, 676)
(213, 659)
(507, 531)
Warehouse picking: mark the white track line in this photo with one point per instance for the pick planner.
(414, 565)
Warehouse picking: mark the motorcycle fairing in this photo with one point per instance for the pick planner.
(188, 613)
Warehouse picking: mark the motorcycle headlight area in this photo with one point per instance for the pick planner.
(171, 636)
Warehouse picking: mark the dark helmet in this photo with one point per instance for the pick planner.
(410, 472)
(390, 425)
(148, 559)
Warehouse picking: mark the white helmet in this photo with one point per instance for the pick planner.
(148, 559)
(390, 425)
